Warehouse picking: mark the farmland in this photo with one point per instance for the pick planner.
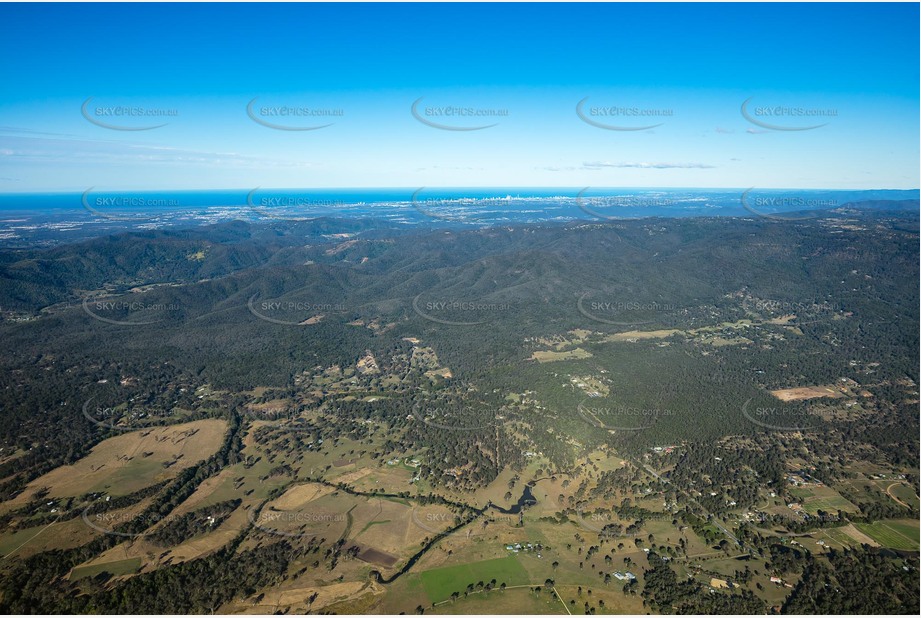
(379, 462)
(894, 534)
(132, 461)
(440, 583)
(815, 499)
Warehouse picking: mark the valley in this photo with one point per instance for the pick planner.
(627, 417)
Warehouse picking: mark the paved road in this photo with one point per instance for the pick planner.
(712, 518)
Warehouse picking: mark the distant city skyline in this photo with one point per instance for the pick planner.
(183, 97)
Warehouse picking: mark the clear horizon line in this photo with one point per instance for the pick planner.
(470, 187)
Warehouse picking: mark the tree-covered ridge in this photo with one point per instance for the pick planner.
(477, 363)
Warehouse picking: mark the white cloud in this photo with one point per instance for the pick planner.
(30, 149)
(597, 165)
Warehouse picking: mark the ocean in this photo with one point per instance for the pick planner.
(29, 218)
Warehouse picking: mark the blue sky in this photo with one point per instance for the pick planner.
(852, 68)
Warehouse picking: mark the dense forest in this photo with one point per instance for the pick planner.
(846, 286)
(482, 348)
